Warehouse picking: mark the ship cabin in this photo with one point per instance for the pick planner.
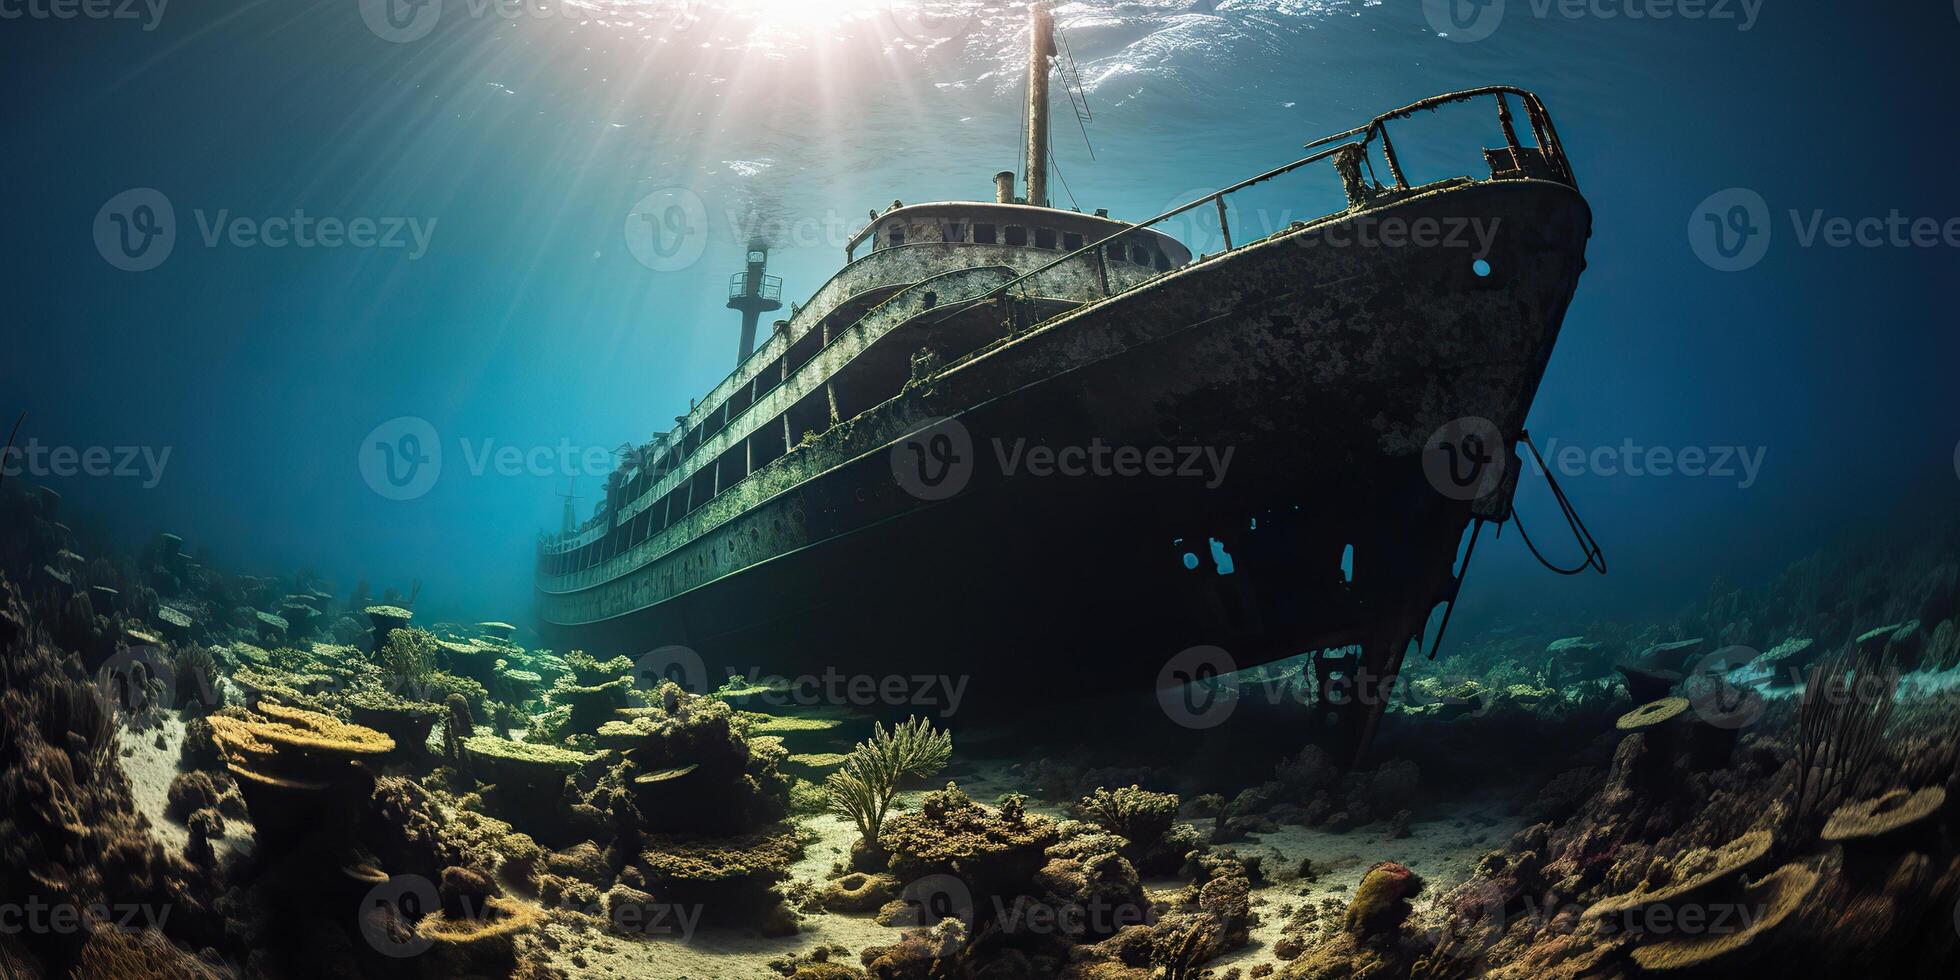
(849, 347)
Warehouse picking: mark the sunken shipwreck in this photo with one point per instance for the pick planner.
(1268, 491)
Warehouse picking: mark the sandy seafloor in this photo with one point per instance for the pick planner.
(1442, 850)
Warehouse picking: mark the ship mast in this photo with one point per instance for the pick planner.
(1041, 48)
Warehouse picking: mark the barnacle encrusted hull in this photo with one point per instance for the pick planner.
(1321, 370)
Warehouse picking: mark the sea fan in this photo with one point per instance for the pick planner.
(863, 787)
(1841, 731)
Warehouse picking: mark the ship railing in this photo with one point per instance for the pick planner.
(769, 287)
(1545, 160)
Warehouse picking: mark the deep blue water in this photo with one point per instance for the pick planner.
(521, 146)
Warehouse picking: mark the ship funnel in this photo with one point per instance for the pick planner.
(1004, 187)
(753, 293)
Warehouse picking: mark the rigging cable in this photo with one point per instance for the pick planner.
(1056, 166)
(1083, 115)
(1595, 557)
(1476, 528)
(9, 454)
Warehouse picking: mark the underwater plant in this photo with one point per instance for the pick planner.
(407, 659)
(1840, 731)
(863, 788)
(195, 671)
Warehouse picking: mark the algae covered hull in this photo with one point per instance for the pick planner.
(1272, 403)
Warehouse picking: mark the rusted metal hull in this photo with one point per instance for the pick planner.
(1321, 368)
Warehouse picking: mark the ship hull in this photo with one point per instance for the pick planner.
(1226, 440)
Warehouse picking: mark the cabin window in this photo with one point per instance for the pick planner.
(1044, 238)
(1017, 235)
(897, 234)
(1071, 241)
(955, 232)
(1140, 255)
(983, 234)
(1163, 263)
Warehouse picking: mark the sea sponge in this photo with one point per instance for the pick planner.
(1381, 901)
(293, 769)
(1088, 898)
(1652, 714)
(502, 918)
(1887, 814)
(691, 772)
(318, 735)
(407, 723)
(1132, 813)
(731, 878)
(188, 792)
(858, 892)
(582, 861)
(1693, 871)
(1775, 897)
(528, 784)
(591, 704)
(994, 851)
(386, 619)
